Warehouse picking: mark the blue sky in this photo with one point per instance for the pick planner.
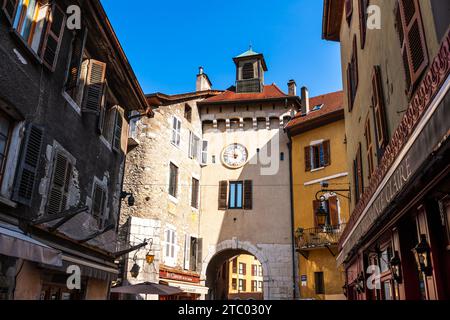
(166, 42)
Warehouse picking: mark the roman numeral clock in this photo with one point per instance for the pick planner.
(234, 156)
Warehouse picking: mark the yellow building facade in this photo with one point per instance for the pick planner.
(319, 184)
(245, 278)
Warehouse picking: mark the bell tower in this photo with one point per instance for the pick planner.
(250, 68)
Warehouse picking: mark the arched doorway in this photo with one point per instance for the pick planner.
(218, 271)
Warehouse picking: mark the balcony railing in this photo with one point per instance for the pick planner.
(320, 237)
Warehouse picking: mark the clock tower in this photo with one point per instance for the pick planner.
(250, 68)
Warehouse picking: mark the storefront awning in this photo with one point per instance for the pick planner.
(14, 243)
(188, 288)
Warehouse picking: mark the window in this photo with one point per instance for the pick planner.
(236, 195)
(195, 193)
(260, 273)
(363, 20)
(234, 284)
(112, 128)
(352, 76)
(274, 123)
(261, 123)
(254, 270)
(358, 175)
(369, 147)
(248, 124)
(59, 187)
(204, 152)
(6, 126)
(319, 283)
(412, 41)
(240, 195)
(242, 268)
(194, 146)
(98, 205)
(242, 285)
(75, 63)
(317, 156)
(176, 131)
(188, 113)
(173, 180)
(234, 265)
(194, 253)
(381, 133)
(41, 26)
(260, 285)
(235, 124)
(254, 286)
(247, 71)
(170, 247)
(281, 156)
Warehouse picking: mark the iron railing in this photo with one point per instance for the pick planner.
(319, 237)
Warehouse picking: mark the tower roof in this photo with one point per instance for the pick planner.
(251, 54)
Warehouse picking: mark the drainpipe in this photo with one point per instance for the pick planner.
(291, 193)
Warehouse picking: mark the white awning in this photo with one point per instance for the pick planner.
(188, 288)
(14, 243)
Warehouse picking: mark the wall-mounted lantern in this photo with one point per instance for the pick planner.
(395, 266)
(422, 253)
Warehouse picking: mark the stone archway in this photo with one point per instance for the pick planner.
(228, 248)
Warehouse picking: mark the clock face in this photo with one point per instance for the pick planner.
(234, 156)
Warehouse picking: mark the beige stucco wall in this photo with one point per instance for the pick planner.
(382, 48)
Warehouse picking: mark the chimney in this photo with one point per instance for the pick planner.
(305, 100)
(292, 88)
(203, 82)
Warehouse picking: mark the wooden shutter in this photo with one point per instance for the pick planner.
(187, 251)
(363, 21)
(199, 246)
(102, 113)
(412, 40)
(98, 205)
(76, 59)
(349, 88)
(223, 190)
(248, 195)
(379, 112)
(308, 158)
(359, 173)
(28, 165)
(53, 37)
(195, 193)
(59, 188)
(333, 210)
(348, 10)
(117, 135)
(94, 85)
(316, 206)
(326, 153)
(244, 267)
(9, 8)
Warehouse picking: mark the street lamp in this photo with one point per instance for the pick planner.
(395, 265)
(135, 270)
(150, 257)
(423, 256)
(322, 215)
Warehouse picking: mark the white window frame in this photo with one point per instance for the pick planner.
(170, 246)
(175, 138)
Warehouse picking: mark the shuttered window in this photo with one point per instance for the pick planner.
(117, 135)
(363, 21)
(352, 76)
(59, 187)
(53, 37)
(9, 8)
(94, 85)
(248, 195)
(381, 129)
(204, 152)
(101, 118)
(98, 205)
(76, 58)
(317, 156)
(358, 175)
(195, 193)
(412, 41)
(6, 126)
(247, 71)
(28, 165)
(176, 131)
(242, 268)
(308, 158)
(234, 265)
(235, 198)
(223, 195)
(173, 180)
(369, 147)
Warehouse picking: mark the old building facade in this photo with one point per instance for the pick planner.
(319, 169)
(64, 104)
(397, 121)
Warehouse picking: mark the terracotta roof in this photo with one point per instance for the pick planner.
(332, 102)
(162, 99)
(269, 92)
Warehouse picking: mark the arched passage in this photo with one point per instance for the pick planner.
(224, 252)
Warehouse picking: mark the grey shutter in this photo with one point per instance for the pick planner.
(308, 158)
(76, 59)
(187, 251)
(53, 37)
(98, 205)
(102, 113)
(199, 244)
(94, 85)
(9, 8)
(223, 190)
(59, 189)
(28, 165)
(248, 195)
(117, 134)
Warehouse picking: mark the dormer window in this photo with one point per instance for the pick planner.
(247, 71)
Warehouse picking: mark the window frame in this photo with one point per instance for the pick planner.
(176, 131)
(237, 195)
(170, 246)
(369, 147)
(195, 193)
(173, 181)
(101, 218)
(8, 139)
